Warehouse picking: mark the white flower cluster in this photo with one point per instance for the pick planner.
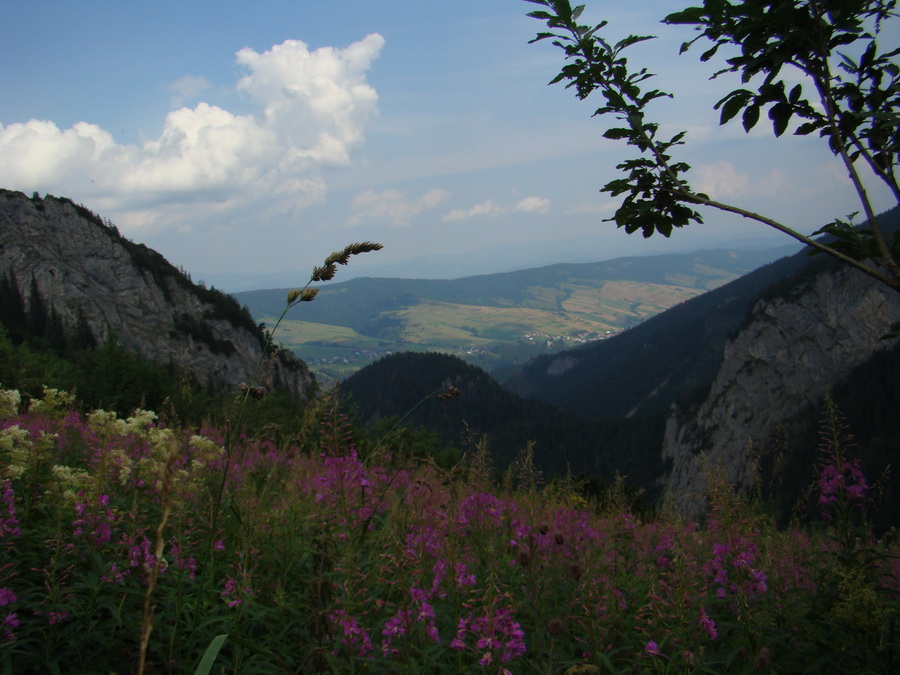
(72, 481)
(21, 452)
(53, 404)
(17, 447)
(9, 403)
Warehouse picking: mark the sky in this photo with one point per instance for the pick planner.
(246, 141)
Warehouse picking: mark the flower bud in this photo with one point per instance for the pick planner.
(308, 294)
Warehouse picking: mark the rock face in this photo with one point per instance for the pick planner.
(90, 276)
(790, 352)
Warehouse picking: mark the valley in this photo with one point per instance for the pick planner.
(493, 321)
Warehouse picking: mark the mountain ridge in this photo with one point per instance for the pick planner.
(86, 277)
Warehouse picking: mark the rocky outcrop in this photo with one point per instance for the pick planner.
(91, 277)
(789, 353)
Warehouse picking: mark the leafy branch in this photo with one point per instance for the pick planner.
(854, 110)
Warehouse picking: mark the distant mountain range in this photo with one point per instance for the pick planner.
(499, 258)
(494, 320)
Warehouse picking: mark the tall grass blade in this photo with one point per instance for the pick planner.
(209, 657)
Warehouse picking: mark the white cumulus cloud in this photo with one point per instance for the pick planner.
(312, 110)
(487, 209)
(533, 205)
(720, 180)
(393, 206)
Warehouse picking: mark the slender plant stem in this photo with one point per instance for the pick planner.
(168, 478)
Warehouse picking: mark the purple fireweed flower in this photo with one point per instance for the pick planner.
(463, 576)
(355, 637)
(841, 483)
(732, 568)
(426, 542)
(115, 576)
(190, 565)
(7, 596)
(458, 643)
(10, 623)
(401, 623)
(395, 627)
(480, 510)
(139, 554)
(499, 633)
(440, 571)
(231, 593)
(97, 520)
(708, 625)
(652, 649)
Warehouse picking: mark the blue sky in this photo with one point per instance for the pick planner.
(246, 141)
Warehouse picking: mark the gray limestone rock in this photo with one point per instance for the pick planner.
(86, 272)
(791, 351)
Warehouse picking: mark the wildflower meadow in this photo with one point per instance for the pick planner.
(129, 545)
(139, 545)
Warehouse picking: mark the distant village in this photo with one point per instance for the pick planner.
(543, 342)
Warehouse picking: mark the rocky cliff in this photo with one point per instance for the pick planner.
(91, 278)
(792, 350)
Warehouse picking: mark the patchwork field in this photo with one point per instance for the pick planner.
(493, 320)
(475, 331)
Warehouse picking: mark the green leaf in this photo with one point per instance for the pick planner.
(750, 117)
(709, 53)
(541, 36)
(867, 56)
(209, 656)
(780, 114)
(733, 104)
(632, 40)
(664, 227)
(688, 15)
(617, 133)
